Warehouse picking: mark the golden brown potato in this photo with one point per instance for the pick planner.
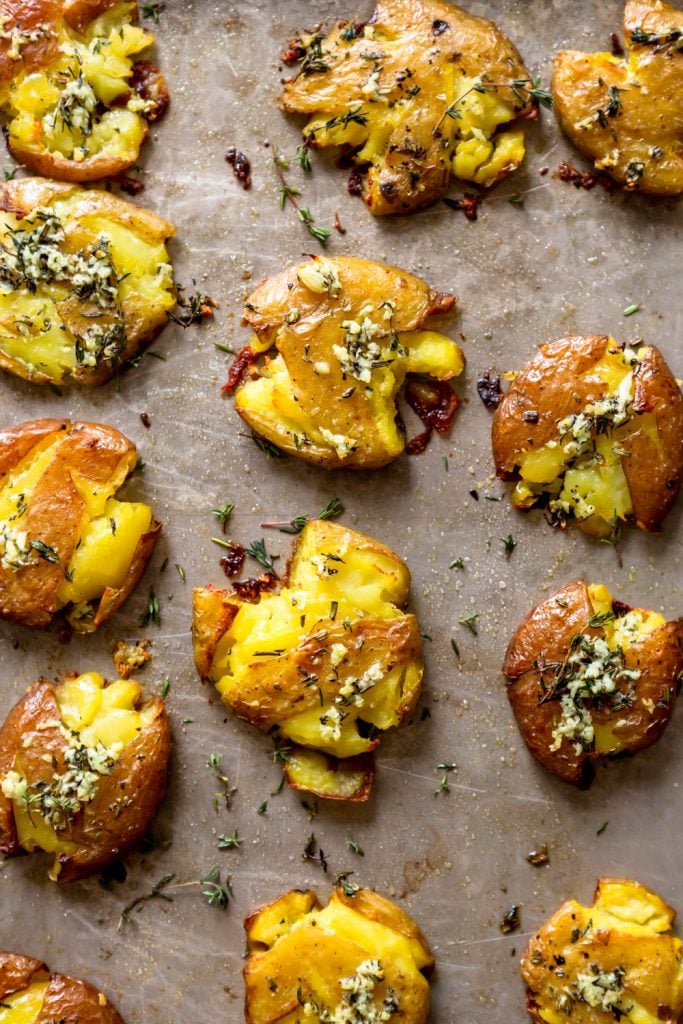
(615, 960)
(347, 331)
(83, 769)
(330, 661)
(360, 951)
(85, 281)
(66, 542)
(626, 113)
(416, 94)
(594, 431)
(31, 994)
(78, 101)
(591, 678)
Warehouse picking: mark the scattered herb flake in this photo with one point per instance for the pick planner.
(510, 544)
(630, 310)
(152, 612)
(470, 622)
(231, 842)
(354, 846)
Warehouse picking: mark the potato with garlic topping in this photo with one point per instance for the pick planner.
(32, 994)
(421, 92)
(590, 678)
(77, 99)
(359, 958)
(626, 113)
(348, 334)
(593, 430)
(85, 281)
(330, 662)
(66, 542)
(616, 960)
(83, 769)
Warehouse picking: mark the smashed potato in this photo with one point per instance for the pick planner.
(592, 678)
(330, 661)
(593, 430)
(66, 542)
(615, 960)
(32, 994)
(626, 113)
(347, 331)
(359, 958)
(416, 94)
(77, 100)
(83, 769)
(85, 281)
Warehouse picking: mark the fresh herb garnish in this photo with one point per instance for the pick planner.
(457, 563)
(223, 514)
(165, 687)
(510, 544)
(630, 310)
(257, 549)
(195, 309)
(232, 842)
(331, 510)
(152, 612)
(446, 767)
(215, 893)
(152, 11)
(181, 572)
(470, 622)
(354, 846)
(226, 792)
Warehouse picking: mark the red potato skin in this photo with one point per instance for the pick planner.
(364, 763)
(99, 834)
(545, 636)
(17, 972)
(27, 15)
(67, 1000)
(56, 511)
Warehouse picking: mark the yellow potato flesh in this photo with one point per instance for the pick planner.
(97, 713)
(31, 328)
(23, 1007)
(106, 550)
(32, 100)
(309, 770)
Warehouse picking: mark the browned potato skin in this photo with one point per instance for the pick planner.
(79, 13)
(28, 15)
(24, 195)
(106, 829)
(318, 328)
(480, 46)
(29, 596)
(646, 956)
(548, 385)
(66, 999)
(333, 956)
(649, 116)
(545, 636)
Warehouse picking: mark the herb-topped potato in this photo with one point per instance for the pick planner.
(85, 281)
(593, 430)
(416, 94)
(32, 994)
(360, 958)
(330, 661)
(83, 770)
(78, 101)
(613, 961)
(66, 542)
(346, 331)
(592, 678)
(626, 113)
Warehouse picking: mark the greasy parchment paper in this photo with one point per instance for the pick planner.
(567, 262)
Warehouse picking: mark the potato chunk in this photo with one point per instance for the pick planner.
(626, 113)
(618, 958)
(418, 93)
(31, 994)
(360, 951)
(79, 102)
(65, 542)
(593, 431)
(347, 332)
(85, 281)
(330, 661)
(591, 678)
(83, 769)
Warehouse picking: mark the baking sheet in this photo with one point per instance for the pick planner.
(568, 261)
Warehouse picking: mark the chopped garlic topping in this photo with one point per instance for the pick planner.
(343, 445)
(337, 654)
(320, 275)
(357, 1005)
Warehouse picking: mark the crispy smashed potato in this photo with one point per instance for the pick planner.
(592, 678)
(626, 113)
(416, 94)
(78, 102)
(593, 431)
(330, 661)
(85, 281)
(347, 332)
(31, 994)
(83, 769)
(613, 961)
(66, 542)
(359, 958)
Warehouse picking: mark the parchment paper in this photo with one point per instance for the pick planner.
(567, 262)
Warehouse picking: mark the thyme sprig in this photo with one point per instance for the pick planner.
(215, 892)
(257, 549)
(331, 510)
(288, 193)
(226, 791)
